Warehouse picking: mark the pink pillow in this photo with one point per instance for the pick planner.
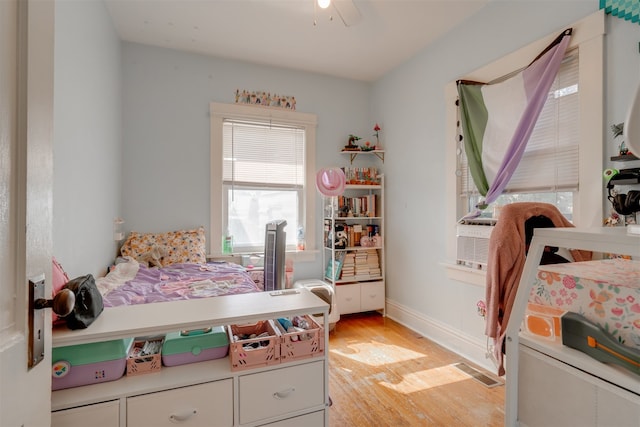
(59, 279)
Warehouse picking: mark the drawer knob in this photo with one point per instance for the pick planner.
(284, 393)
(183, 416)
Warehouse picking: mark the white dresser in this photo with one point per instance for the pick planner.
(205, 393)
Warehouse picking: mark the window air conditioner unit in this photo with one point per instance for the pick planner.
(472, 242)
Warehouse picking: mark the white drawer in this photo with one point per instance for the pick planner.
(105, 414)
(348, 298)
(314, 419)
(209, 404)
(280, 391)
(372, 296)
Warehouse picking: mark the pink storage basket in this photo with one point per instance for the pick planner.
(253, 352)
(301, 345)
(138, 364)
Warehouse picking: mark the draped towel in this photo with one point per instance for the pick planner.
(507, 255)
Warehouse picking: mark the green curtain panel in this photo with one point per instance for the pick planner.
(625, 9)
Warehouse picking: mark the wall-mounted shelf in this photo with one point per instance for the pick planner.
(353, 154)
(624, 158)
(625, 177)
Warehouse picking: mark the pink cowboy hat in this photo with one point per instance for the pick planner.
(330, 181)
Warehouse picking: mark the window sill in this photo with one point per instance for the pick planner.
(465, 274)
(295, 256)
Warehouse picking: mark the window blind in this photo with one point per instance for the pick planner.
(263, 154)
(550, 161)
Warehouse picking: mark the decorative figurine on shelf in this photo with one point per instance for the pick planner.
(371, 242)
(367, 146)
(352, 146)
(617, 131)
(341, 237)
(377, 130)
(612, 220)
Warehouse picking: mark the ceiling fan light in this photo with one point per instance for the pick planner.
(324, 3)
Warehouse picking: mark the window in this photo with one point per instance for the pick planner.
(263, 180)
(261, 170)
(548, 171)
(587, 203)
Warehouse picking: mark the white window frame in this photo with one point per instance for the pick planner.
(221, 112)
(588, 37)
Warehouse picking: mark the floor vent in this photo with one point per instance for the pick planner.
(477, 375)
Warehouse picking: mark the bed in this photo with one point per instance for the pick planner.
(131, 282)
(169, 266)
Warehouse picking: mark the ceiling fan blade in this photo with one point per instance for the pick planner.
(348, 12)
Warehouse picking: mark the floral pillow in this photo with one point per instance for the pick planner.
(184, 246)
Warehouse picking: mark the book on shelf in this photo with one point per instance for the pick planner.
(358, 265)
(334, 266)
(328, 233)
(348, 266)
(330, 272)
(362, 175)
(360, 206)
(354, 232)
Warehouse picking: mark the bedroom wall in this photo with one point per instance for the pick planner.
(158, 177)
(413, 118)
(87, 137)
(166, 96)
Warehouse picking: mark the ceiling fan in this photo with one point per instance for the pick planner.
(346, 10)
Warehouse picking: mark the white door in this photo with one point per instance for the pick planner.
(26, 129)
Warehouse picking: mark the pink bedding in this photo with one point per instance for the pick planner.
(132, 283)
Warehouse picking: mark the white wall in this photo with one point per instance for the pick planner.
(410, 103)
(166, 129)
(87, 137)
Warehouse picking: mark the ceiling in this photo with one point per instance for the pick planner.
(380, 35)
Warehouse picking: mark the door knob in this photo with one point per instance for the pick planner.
(62, 303)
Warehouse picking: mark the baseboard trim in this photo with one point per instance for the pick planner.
(454, 340)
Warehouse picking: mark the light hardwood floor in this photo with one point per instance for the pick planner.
(383, 374)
